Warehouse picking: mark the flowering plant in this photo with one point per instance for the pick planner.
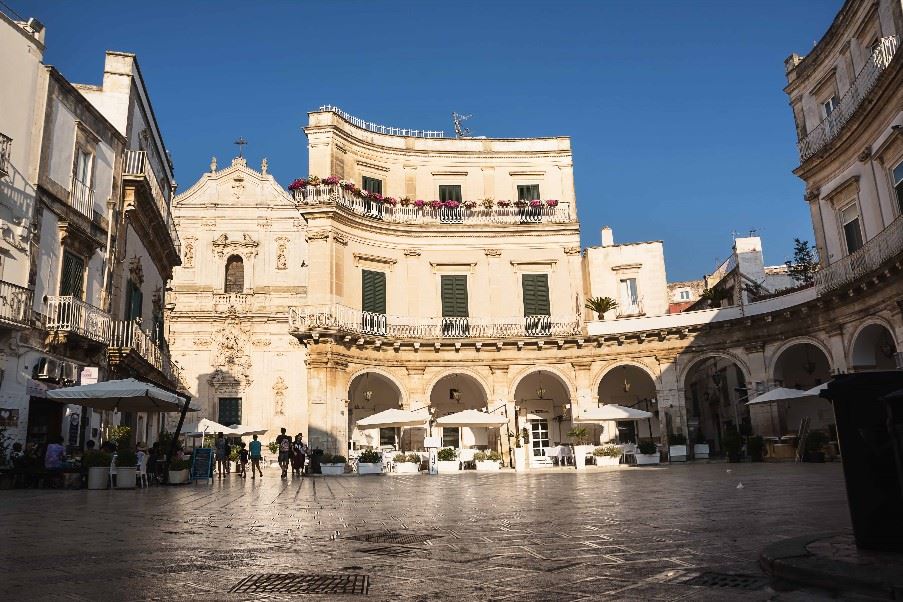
(419, 203)
(470, 204)
(347, 185)
(405, 201)
(313, 180)
(536, 203)
(487, 202)
(298, 183)
(388, 200)
(376, 197)
(361, 193)
(503, 203)
(331, 180)
(552, 202)
(452, 204)
(436, 204)
(520, 203)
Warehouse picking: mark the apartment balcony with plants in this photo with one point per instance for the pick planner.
(69, 319)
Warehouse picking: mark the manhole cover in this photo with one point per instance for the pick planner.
(296, 583)
(391, 551)
(393, 537)
(750, 582)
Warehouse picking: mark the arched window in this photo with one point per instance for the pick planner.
(235, 275)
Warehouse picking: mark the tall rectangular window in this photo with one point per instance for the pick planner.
(451, 436)
(373, 291)
(527, 192)
(72, 281)
(133, 301)
(387, 436)
(849, 219)
(828, 106)
(898, 184)
(229, 411)
(630, 299)
(450, 192)
(83, 167)
(372, 185)
(454, 296)
(536, 294)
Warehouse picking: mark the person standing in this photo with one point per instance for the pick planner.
(284, 444)
(220, 450)
(242, 460)
(299, 452)
(255, 449)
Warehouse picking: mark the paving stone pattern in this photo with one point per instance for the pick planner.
(630, 534)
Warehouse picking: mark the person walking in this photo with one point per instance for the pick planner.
(299, 453)
(221, 454)
(242, 460)
(284, 444)
(255, 448)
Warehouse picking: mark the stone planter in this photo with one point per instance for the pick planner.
(677, 453)
(520, 458)
(647, 459)
(177, 477)
(580, 454)
(126, 477)
(488, 466)
(407, 467)
(366, 468)
(332, 469)
(98, 477)
(608, 460)
(447, 466)
(701, 451)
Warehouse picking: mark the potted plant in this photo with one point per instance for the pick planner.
(447, 460)
(601, 305)
(178, 472)
(701, 447)
(607, 455)
(126, 469)
(815, 443)
(407, 463)
(755, 447)
(487, 203)
(488, 461)
(647, 453)
(370, 462)
(332, 465)
(677, 447)
(520, 452)
(274, 452)
(733, 444)
(98, 465)
(581, 446)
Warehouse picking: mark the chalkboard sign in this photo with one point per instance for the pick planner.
(201, 463)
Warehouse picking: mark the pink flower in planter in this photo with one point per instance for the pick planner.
(376, 197)
(419, 203)
(436, 204)
(470, 204)
(349, 186)
(363, 193)
(298, 183)
(536, 203)
(552, 202)
(503, 203)
(390, 201)
(520, 203)
(452, 204)
(331, 180)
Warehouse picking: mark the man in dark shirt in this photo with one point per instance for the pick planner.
(284, 447)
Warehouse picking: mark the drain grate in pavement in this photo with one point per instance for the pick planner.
(393, 537)
(392, 551)
(748, 582)
(297, 583)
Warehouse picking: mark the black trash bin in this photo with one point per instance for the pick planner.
(868, 407)
(315, 457)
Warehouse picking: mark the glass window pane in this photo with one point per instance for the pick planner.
(229, 411)
(450, 192)
(898, 174)
(451, 436)
(853, 235)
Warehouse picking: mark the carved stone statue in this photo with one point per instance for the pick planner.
(188, 260)
(279, 389)
(213, 165)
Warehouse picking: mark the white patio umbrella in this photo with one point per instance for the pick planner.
(246, 431)
(779, 394)
(127, 395)
(613, 412)
(472, 418)
(394, 418)
(209, 427)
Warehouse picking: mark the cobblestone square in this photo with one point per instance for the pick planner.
(623, 534)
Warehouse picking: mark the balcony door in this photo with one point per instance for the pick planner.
(373, 302)
(454, 305)
(72, 281)
(536, 303)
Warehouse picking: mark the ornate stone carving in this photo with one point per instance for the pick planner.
(279, 390)
(572, 250)
(340, 238)
(299, 223)
(202, 342)
(412, 253)
(188, 253)
(208, 224)
(262, 342)
(264, 165)
(264, 223)
(317, 235)
(136, 272)
(281, 252)
(865, 155)
(812, 194)
(232, 343)
(246, 247)
(238, 185)
(213, 165)
(492, 252)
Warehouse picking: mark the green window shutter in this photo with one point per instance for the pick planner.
(134, 302)
(373, 291)
(536, 294)
(73, 277)
(454, 296)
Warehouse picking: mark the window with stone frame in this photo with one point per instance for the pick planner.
(372, 185)
(72, 279)
(852, 231)
(229, 411)
(450, 192)
(235, 275)
(527, 192)
(897, 176)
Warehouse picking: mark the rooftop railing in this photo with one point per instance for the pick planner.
(15, 303)
(410, 214)
(137, 165)
(69, 314)
(381, 129)
(886, 244)
(354, 321)
(865, 80)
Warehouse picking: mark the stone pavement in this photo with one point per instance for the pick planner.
(623, 534)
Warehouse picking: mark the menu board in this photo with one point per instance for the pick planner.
(201, 463)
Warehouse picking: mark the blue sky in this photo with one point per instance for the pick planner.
(679, 126)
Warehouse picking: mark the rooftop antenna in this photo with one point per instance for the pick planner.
(460, 130)
(241, 146)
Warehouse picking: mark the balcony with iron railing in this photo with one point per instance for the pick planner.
(342, 319)
(137, 166)
(459, 213)
(886, 245)
(70, 315)
(15, 304)
(6, 145)
(81, 197)
(127, 337)
(831, 126)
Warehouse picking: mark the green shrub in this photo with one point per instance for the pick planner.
(179, 465)
(369, 456)
(647, 446)
(815, 441)
(415, 458)
(399, 458)
(327, 459)
(126, 458)
(493, 456)
(677, 439)
(446, 454)
(94, 458)
(233, 453)
(480, 457)
(611, 451)
(273, 447)
(578, 435)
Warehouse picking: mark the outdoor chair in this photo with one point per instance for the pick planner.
(141, 471)
(628, 453)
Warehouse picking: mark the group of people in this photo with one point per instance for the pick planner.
(253, 454)
(292, 453)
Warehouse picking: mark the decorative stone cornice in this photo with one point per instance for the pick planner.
(316, 235)
(412, 253)
(340, 239)
(492, 252)
(812, 194)
(572, 250)
(247, 246)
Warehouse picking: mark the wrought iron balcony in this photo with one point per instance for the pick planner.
(6, 145)
(831, 126)
(71, 315)
(126, 336)
(15, 304)
(885, 245)
(81, 197)
(410, 214)
(344, 319)
(137, 166)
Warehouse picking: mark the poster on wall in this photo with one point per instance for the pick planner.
(9, 417)
(89, 375)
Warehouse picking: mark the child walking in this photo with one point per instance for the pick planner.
(242, 460)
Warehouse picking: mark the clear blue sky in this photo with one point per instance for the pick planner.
(679, 126)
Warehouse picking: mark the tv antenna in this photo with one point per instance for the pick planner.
(460, 130)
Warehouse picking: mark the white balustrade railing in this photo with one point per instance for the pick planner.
(81, 197)
(68, 314)
(355, 321)
(410, 214)
(865, 80)
(381, 129)
(231, 299)
(127, 334)
(885, 245)
(137, 164)
(15, 303)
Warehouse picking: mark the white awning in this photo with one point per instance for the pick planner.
(244, 430)
(611, 411)
(779, 394)
(209, 427)
(127, 395)
(394, 418)
(472, 418)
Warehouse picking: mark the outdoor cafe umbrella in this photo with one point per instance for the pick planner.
(612, 412)
(781, 394)
(246, 431)
(209, 427)
(472, 418)
(393, 418)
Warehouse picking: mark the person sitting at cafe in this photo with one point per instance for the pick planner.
(90, 445)
(108, 446)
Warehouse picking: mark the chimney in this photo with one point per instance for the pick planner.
(608, 238)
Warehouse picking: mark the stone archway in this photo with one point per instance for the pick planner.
(371, 392)
(631, 386)
(544, 408)
(452, 393)
(715, 395)
(801, 365)
(873, 348)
